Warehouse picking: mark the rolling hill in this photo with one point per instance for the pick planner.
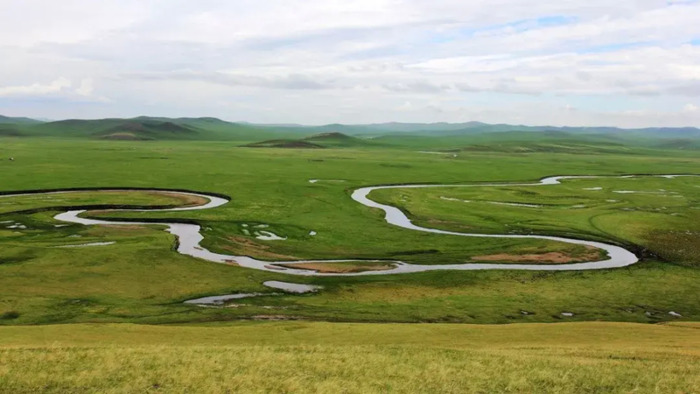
(153, 128)
(466, 135)
(17, 120)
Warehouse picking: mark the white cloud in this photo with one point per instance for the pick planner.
(60, 88)
(691, 108)
(360, 60)
(36, 89)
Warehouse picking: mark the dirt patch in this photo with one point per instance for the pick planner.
(179, 199)
(247, 247)
(115, 230)
(550, 257)
(186, 200)
(340, 268)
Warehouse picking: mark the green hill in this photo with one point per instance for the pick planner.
(467, 135)
(154, 128)
(17, 120)
(335, 140)
(149, 130)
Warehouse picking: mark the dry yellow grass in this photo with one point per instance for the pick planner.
(241, 245)
(343, 267)
(362, 358)
(182, 199)
(549, 257)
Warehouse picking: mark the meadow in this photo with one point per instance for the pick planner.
(111, 318)
(141, 279)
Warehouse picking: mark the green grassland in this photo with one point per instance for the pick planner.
(141, 279)
(657, 215)
(111, 318)
(339, 357)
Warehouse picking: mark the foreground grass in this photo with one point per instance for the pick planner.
(325, 357)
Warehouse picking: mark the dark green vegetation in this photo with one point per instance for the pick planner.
(141, 279)
(323, 140)
(311, 357)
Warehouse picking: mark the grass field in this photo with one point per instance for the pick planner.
(657, 214)
(341, 357)
(140, 279)
(111, 318)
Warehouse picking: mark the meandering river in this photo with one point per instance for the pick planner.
(190, 238)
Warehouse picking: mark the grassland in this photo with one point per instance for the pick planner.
(657, 215)
(141, 279)
(124, 327)
(367, 358)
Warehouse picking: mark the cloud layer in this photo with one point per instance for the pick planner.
(625, 63)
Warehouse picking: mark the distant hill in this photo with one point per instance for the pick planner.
(459, 135)
(453, 135)
(155, 128)
(447, 129)
(122, 129)
(17, 120)
(148, 130)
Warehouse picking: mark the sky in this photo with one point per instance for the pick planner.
(565, 62)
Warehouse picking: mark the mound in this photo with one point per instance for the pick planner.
(323, 140)
(334, 139)
(284, 144)
(125, 137)
(329, 136)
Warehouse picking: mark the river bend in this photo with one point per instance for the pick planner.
(190, 238)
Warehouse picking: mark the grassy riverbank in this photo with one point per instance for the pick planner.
(328, 357)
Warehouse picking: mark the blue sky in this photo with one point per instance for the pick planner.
(625, 63)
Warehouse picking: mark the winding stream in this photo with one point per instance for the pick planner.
(189, 236)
